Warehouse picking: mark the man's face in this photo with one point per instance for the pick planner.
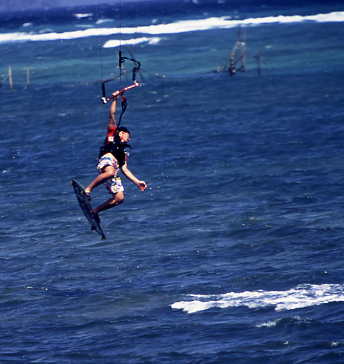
(124, 136)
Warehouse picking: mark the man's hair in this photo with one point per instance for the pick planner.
(124, 129)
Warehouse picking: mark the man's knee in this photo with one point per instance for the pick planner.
(118, 198)
(109, 174)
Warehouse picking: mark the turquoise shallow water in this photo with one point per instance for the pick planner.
(234, 253)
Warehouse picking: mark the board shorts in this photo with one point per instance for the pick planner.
(107, 160)
(113, 184)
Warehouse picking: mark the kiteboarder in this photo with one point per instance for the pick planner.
(113, 157)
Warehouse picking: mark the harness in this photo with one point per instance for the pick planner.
(116, 148)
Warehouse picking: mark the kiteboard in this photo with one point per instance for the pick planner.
(85, 205)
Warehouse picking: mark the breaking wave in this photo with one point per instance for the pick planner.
(169, 28)
(302, 296)
(117, 43)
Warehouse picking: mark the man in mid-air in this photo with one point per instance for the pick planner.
(113, 157)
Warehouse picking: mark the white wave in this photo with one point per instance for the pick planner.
(82, 15)
(302, 296)
(173, 28)
(274, 323)
(102, 21)
(268, 323)
(117, 43)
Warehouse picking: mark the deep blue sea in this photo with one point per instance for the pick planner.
(235, 252)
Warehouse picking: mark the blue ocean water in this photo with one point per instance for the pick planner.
(234, 252)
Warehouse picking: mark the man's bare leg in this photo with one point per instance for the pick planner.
(109, 172)
(116, 200)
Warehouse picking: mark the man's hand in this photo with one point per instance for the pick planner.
(117, 93)
(142, 185)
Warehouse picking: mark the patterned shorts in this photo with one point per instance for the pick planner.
(114, 185)
(107, 160)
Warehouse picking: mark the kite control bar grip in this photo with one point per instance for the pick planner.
(105, 99)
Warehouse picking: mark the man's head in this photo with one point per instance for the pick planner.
(123, 134)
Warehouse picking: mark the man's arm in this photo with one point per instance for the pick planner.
(112, 123)
(140, 184)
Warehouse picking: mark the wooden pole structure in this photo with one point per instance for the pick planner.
(28, 77)
(258, 58)
(10, 77)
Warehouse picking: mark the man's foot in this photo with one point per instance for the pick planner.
(88, 194)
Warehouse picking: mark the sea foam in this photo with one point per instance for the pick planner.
(302, 296)
(82, 15)
(117, 42)
(171, 28)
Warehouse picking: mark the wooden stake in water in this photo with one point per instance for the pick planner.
(10, 77)
(28, 77)
(258, 58)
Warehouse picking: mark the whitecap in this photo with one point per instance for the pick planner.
(182, 26)
(268, 323)
(82, 15)
(102, 21)
(299, 297)
(117, 43)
